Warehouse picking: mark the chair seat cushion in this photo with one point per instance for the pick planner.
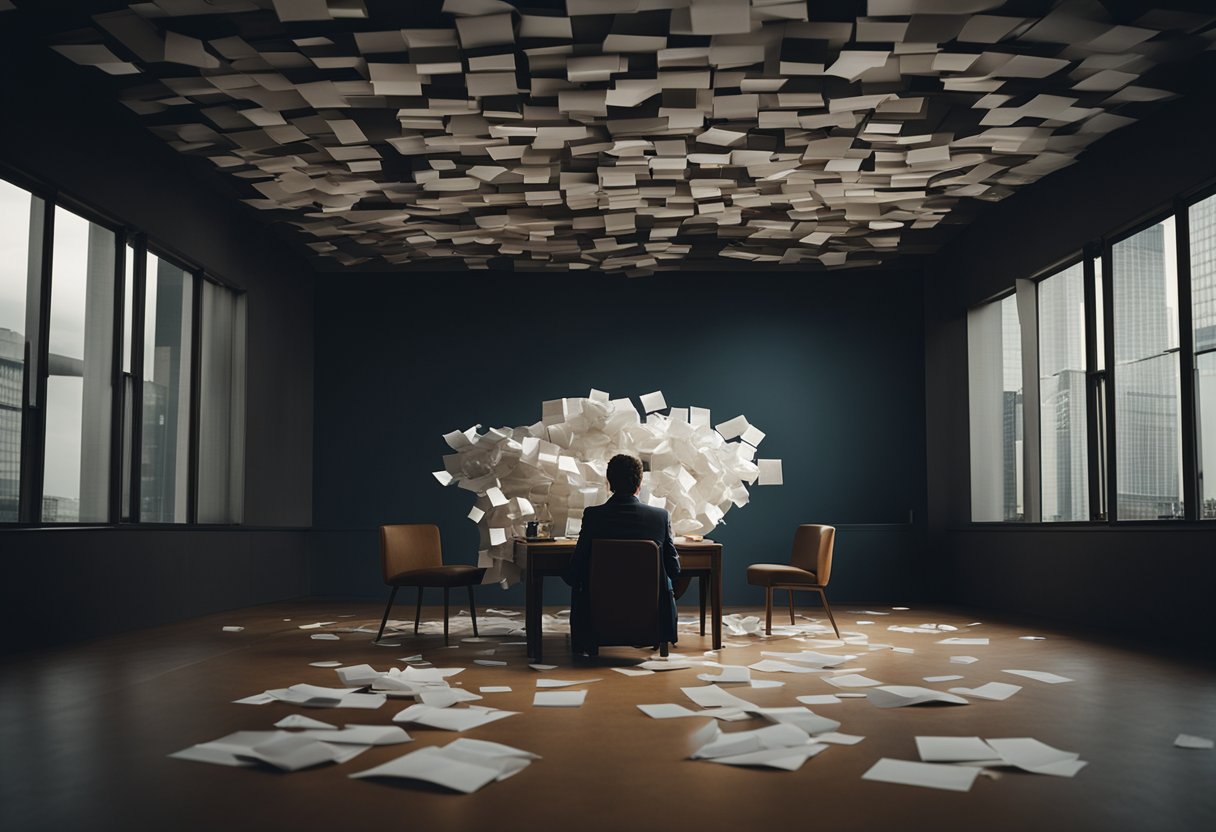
(456, 575)
(776, 574)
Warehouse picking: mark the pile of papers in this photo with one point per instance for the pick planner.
(463, 765)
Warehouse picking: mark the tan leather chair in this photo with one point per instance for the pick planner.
(810, 569)
(411, 555)
(624, 583)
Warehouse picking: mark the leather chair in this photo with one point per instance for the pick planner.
(624, 606)
(810, 569)
(411, 555)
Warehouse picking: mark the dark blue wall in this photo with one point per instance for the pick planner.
(830, 365)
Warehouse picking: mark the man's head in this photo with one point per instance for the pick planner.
(624, 474)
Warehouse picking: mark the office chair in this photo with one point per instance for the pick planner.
(411, 555)
(810, 569)
(624, 605)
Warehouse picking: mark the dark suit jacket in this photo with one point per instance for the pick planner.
(623, 517)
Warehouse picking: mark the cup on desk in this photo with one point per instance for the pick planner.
(544, 530)
(530, 529)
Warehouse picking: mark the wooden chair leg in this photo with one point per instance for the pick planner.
(473, 610)
(389, 606)
(703, 589)
(768, 610)
(828, 607)
(446, 591)
(418, 611)
(789, 596)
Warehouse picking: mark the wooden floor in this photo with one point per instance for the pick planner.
(86, 731)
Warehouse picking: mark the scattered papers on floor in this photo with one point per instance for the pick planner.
(559, 698)
(633, 671)
(779, 746)
(926, 775)
(232, 629)
(463, 765)
(1040, 676)
(968, 641)
(451, 719)
(851, 680)
(963, 659)
(283, 750)
(301, 721)
(995, 691)
(563, 683)
(1191, 741)
(899, 696)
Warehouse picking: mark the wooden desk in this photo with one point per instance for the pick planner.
(538, 559)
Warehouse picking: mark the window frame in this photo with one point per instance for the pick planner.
(33, 425)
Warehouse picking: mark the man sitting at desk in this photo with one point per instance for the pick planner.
(623, 517)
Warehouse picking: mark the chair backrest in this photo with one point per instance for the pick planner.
(409, 546)
(813, 550)
(624, 592)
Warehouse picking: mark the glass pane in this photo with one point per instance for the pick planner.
(1062, 422)
(1099, 316)
(1148, 453)
(1203, 316)
(128, 291)
(164, 455)
(20, 245)
(995, 393)
(76, 470)
(221, 407)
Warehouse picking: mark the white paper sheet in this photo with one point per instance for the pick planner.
(667, 711)
(559, 699)
(563, 683)
(1192, 741)
(954, 749)
(1040, 676)
(995, 691)
(926, 775)
(900, 696)
(1038, 757)
(819, 699)
(451, 719)
(851, 680)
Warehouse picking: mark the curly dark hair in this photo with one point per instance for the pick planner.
(624, 474)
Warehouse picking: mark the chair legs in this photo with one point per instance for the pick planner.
(768, 610)
(446, 592)
(789, 596)
(828, 609)
(472, 610)
(389, 606)
(703, 590)
(418, 611)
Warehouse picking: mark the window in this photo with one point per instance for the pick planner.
(1147, 430)
(122, 376)
(1063, 425)
(164, 485)
(995, 392)
(76, 463)
(21, 217)
(1202, 219)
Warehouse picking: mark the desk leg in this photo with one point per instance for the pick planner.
(702, 588)
(715, 593)
(532, 614)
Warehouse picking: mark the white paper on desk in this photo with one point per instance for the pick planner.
(927, 775)
(963, 660)
(1192, 741)
(729, 674)
(1031, 755)
(851, 680)
(712, 696)
(325, 664)
(942, 678)
(996, 691)
(899, 696)
(292, 752)
(563, 683)
(494, 689)
(451, 719)
(957, 640)
(1040, 676)
(667, 711)
(797, 715)
(300, 721)
(954, 749)
(819, 699)
(559, 699)
(633, 671)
